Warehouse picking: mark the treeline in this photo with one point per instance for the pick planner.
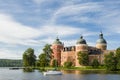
(111, 60)
(29, 58)
(10, 63)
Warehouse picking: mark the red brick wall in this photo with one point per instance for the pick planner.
(57, 52)
(68, 56)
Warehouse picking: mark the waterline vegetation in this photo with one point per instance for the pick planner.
(111, 61)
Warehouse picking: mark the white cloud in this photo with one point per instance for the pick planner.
(38, 1)
(104, 14)
(12, 32)
(9, 54)
(78, 9)
(9, 27)
(61, 30)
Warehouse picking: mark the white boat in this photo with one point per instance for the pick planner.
(52, 73)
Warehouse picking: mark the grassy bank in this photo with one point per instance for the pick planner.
(83, 69)
(72, 68)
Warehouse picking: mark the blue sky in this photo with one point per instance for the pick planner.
(33, 23)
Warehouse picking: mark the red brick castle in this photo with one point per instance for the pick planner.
(63, 54)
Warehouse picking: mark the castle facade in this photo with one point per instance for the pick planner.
(63, 54)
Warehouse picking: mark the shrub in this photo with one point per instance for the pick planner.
(95, 63)
(67, 64)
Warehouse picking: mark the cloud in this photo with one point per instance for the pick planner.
(38, 1)
(9, 54)
(13, 32)
(103, 14)
(78, 9)
(66, 19)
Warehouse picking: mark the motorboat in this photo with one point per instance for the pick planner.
(52, 72)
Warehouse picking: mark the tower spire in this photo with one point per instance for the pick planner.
(101, 35)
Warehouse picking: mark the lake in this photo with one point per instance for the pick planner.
(6, 74)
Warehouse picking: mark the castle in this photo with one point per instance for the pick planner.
(63, 54)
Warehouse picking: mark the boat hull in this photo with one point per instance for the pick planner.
(52, 73)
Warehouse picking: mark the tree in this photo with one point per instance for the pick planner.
(110, 61)
(118, 57)
(83, 58)
(45, 57)
(68, 64)
(42, 60)
(48, 51)
(54, 63)
(95, 63)
(29, 58)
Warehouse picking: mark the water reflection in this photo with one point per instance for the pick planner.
(89, 72)
(6, 74)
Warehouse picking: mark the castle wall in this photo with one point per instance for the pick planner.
(95, 56)
(57, 52)
(67, 56)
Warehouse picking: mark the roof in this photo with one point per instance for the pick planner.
(57, 41)
(81, 41)
(101, 39)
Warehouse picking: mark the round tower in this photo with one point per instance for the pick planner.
(81, 45)
(57, 46)
(101, 42)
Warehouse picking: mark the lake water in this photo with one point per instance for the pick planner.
(6, 74)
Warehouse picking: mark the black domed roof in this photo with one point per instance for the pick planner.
(81, 41)
(101, 40)
(57, 41)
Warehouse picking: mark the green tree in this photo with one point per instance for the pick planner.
(83, 58)
(45, 57)
(110, 61)
(68, 64)
(95, 63)
(42, 60)
(48, 51)
(54, 63)
(118, 57)
(29, 58)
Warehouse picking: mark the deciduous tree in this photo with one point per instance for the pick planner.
(83, 58)
(110, 61)
(29, 58)
(118, 57)
(45, 57)
(95, 63)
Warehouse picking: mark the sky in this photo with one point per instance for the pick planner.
(33, 23)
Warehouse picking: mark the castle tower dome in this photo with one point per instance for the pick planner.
(81, 41)
(57, 41)
(57, 47)
(101, 42)
(81, 44)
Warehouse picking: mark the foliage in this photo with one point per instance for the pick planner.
(47, 50)
(10, 63)
(68, 64)
(83, 58)
(29, 58)
(28, 69)
(110, 61)
(118, 57)
(45, 57)
(42, 60)
(95, 63)
(54, 63)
